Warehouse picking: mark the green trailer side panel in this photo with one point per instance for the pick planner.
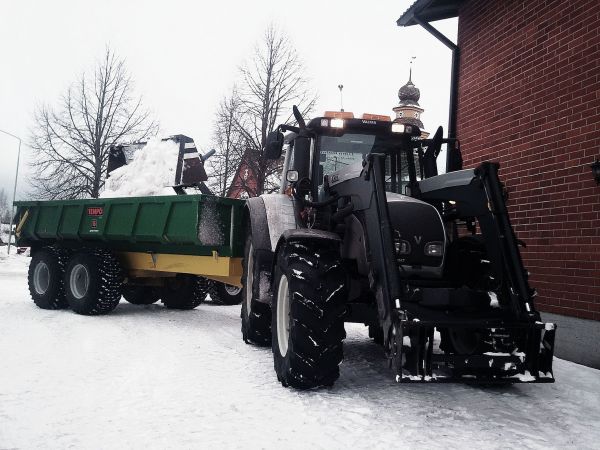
(120, 224)
(48, 221)
(69, 226)
(181, 228)
(184, 224)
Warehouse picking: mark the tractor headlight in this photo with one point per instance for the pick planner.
(434, 248)
(337, 123)
(397, 128)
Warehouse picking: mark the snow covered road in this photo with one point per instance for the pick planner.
(148, 377)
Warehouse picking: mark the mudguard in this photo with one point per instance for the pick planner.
(305, 234)
(257, 221)
(268, 216)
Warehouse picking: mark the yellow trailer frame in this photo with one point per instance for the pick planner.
(152, 265)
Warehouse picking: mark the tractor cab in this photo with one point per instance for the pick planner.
(335, 147)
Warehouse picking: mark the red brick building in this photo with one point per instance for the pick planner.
(527, 94)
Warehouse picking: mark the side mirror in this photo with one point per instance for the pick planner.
(302, 156)
(274, 145)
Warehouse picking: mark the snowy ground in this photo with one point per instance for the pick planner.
(147, 377)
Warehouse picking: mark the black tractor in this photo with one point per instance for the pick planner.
(365, 230)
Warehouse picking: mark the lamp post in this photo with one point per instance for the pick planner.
(12, 205)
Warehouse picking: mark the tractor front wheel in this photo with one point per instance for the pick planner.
(308, 309)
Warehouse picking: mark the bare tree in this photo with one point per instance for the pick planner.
(227, 142)
(73, 141)
(271, 82)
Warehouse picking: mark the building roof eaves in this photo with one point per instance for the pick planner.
(429, 11)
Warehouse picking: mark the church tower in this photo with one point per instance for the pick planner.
(408, 110)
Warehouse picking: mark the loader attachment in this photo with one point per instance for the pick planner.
(515, 353)
(188, 168)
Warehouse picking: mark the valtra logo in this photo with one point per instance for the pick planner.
(95, 211)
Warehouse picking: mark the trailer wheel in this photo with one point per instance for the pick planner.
(225, 294)
(256, 316)
(140, 295)
(93, 282)
(184, 291)
(308, 308)
(45, 279)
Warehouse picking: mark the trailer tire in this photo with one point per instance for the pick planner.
(140, 295)
(256, 316)
(93, 281)
(308, 309)
(45, 278)
(184, 292)
(225, 294)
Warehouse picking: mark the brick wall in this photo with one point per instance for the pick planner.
(529, 98)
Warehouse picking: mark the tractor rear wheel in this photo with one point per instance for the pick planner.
(184, 291)
(93, 280)
(140, 295)
(308, 309)
(225, 294)
(45, 278)
(256, 316)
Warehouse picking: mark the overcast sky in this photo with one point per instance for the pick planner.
(184, 57)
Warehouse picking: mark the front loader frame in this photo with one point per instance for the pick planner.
(409, 328)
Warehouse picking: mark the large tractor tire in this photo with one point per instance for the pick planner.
(256, 316)
(93, 280)
(225, 294)
(45, 278)
(308, 309)
(140, 295)
(184, 292)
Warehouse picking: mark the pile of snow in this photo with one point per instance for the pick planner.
(150, 172)
(13, 263)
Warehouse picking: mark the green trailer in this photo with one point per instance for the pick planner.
(87, 253)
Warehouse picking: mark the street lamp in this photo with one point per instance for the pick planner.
(12, 210)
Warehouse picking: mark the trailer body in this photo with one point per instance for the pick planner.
(191, 234)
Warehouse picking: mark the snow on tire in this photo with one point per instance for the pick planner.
(184, 291)
(93, 280)
(308, 308)
(256, 316)
(45, 278)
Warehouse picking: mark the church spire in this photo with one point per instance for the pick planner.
(408, 110)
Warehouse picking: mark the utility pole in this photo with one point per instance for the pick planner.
(12, 205)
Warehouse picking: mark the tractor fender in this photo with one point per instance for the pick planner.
(256, 219)
(307, 234)
(280, 215)
(268, 217)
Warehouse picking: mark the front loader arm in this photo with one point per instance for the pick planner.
(368, 196)
(478, 193)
